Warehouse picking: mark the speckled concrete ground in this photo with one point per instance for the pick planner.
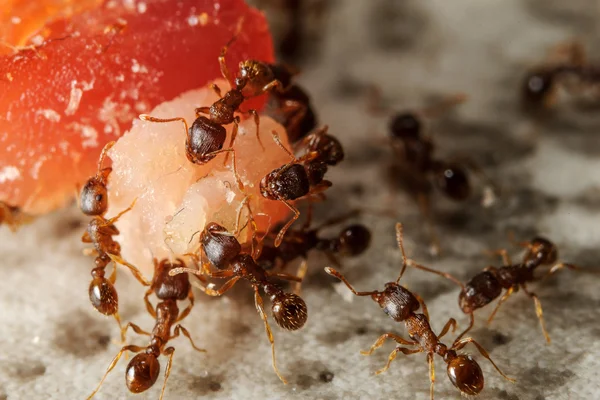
(55, 346)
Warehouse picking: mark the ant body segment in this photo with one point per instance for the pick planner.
(401, 305)
(143, 369)
(225, 253)
(488, 285)
(100, 232)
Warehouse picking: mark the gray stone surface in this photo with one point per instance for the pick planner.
(55, 346)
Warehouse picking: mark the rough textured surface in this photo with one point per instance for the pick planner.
(55, 346)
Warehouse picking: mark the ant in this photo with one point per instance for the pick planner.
(100, 231)
(225, 253)
(488, 285)
(401, 305)
(143, 369)
(352, 240)
(13, 217)
(302, 176)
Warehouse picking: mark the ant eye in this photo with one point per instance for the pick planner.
(289, 311)
(98, 197)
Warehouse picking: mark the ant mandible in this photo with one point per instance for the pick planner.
(100, 231)
(488, 285)
(400, 304)
(352, 240)
(143, 369)
(225, 253)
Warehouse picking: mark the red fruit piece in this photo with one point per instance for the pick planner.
(90, 75)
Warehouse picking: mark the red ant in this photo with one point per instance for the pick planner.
(488, 285)
(143, 369)
(225, 253)
(100, 232)
(302, 176)
(400, 304)
(352, 240)
(12, 216)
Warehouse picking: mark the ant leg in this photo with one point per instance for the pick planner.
(341, 277)
(502, 300)
(118, 319)
(132, 348)
(134, 271)
(148, 118)
(283, 230)
(226, 286)
(393, 354)
(538, 311)
(301, 273)
(169, 351)
(222, 63)
(149, 306)
(135, 328)
(431, 373)
(257, 123)
(114, 219)
(462, 343)
(400, 240)
(425, 207)
(379, 342)
(274, 84)
(85, 238)
(258, 302)
(446, 275)
(186, 333)
(423, 305)
(202, 110)
(278, 142)
(502, 253)
(188, 309)
(233, 164)
(572, 267)
(450, 324)
(216, 89)
(463, 333)
(285, 276)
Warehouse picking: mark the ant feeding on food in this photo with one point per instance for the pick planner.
(488, 285)
(143, 369)
(12, 216)
(100, 231)
(401, 305)
(352, 240)
(567, 68)
(303, 176)
(224, 252)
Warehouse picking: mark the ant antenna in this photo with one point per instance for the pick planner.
(399, 239)
(341, 277)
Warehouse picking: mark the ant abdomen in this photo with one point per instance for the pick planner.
(481, 290)
(142, 372)
(94, 198)
(292, 182)
(103, 294)
(204, 138)
(289, 311)
(465, 373)
(453, 180)
(405, 126)
(397, 302)
(354, 240)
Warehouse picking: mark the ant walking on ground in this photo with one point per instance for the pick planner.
(488, 285)
(143, 369)
(401, 305)
(100, 232)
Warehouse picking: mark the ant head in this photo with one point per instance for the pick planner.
(330, 149)
(142, 372)
(256, 74)
(397, 302)
(465, 373)
(481, 290)
(316, 171)
(354, 239)
(537, 87)
(289, 311)
(94, 197)
(288, 183)
(405, 126)
(541, 251)
(103, 295)
(453, 180)
(219, 245)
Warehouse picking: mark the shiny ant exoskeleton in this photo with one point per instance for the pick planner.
(225, 253)
(100, 232)
(143, 369)
(488, 285)
(351, 241)
(401, 305)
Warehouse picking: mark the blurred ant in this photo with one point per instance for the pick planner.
(143, 369)
(100, 231)
(225, 253)
(302, 176)
(352, 240)
(13, 217)
(488, 285)
(400, 304)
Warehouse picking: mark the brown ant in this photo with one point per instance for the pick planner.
(488, 285)
(225, 253)
(100, 232)
(143, 369)
(400, 304)
(352, 240)
(302, 176)
(12, 216)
